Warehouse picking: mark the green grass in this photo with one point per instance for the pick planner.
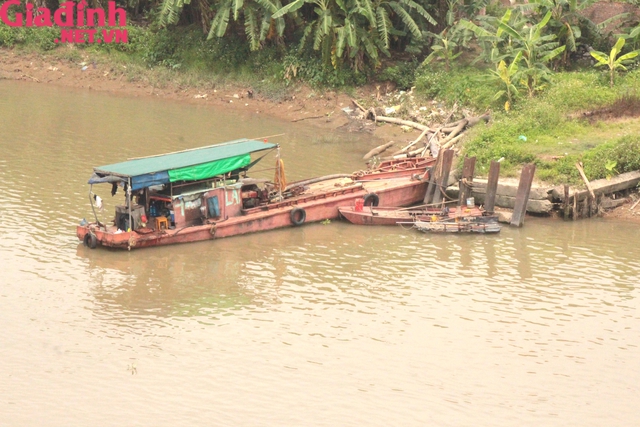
(550, 125)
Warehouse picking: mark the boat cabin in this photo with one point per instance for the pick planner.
(186, 188)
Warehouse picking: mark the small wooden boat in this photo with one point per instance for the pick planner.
(369, 215)
(467, 225)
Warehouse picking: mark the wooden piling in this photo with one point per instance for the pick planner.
(441, 184)
(566, 207)
(492, 187)
(522, 196)
(435, 172)
(468, 170)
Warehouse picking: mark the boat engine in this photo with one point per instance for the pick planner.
(253, 196)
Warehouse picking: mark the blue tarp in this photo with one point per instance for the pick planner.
(147, 180)
(97, 179)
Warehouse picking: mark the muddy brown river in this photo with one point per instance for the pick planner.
(330, 325)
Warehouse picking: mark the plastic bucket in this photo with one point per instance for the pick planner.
(359, 205)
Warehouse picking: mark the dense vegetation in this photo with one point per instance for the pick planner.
(532, 64)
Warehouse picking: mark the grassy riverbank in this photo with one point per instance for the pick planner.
(578, 118)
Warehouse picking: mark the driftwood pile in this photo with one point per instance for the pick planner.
(431, 140)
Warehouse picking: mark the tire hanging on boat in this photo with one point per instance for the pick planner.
(371, 199)
(298, 216)
(90, 240)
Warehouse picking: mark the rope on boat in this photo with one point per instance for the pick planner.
(280, 180)
(132, 242)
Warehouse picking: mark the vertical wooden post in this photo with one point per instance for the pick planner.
(566, 207)
(522, 196)
(467, 178)
(492, 187)
(435, 171)
(441, 184)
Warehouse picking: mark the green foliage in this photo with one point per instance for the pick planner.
(537, 51)
(353, 32)
(311, 69)
(161, 49)
(42, 38)
(623, 153)
(506, 76)
(633, 38)
(613, 61)
(403, 74)
(466, 86)
(7, 36)
(170, 11)
(564, 16)
(547, 123)
(445, 47)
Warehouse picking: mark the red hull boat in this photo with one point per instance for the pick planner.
(202, 194)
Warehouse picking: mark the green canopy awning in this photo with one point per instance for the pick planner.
(188, 165)
(183, 159)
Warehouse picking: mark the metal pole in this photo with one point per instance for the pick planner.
(92, 207)
(129, 205)
(278, 172)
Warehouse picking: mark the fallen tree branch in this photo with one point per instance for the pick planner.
(451, 142)
(358, 105)
(453, 134)
(414, 142)
(472, 121)
(305, 118)
(379, 149)
(402, 122)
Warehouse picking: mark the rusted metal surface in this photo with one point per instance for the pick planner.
(522, 196)
(320, 201)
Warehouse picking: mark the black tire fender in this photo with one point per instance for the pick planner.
(298, 216)
(371, 199)
(90, 240)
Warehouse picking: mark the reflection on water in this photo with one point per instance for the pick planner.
(322, 324)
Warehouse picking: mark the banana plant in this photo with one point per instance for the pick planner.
(354, 29)
(612, 61)
(444, 48)
(633, 36)
(495, 45)
(507, 76)
(537, 51)
(256, 16)
(568, 20)
(170, 11)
